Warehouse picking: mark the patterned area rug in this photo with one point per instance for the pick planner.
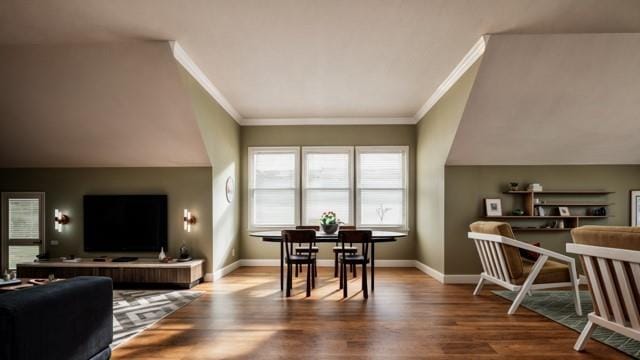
(136, 310)
(558, 306)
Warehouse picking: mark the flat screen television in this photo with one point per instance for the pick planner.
(122, 223)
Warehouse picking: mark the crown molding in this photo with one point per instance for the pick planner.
(188, 64)
(329, 121)
(469, 59)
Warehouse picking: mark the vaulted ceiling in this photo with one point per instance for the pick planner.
(357, 59)
(113, 104)
(553, 100)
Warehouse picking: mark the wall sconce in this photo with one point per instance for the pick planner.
(59, 220)
(188, 220)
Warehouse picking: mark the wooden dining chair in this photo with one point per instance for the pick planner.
(303, 237)
(364, 238)
(337, 250)
(303, 250)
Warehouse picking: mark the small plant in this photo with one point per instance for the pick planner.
(381, 211)
(329, 218)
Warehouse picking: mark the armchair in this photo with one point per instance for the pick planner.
(504, 266)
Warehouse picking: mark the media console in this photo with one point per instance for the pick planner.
(143, 271)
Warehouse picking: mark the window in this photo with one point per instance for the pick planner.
(327, 183)
(23, 228)
(273, 187)
(381, 189)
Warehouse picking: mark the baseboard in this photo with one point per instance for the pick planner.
(218, 274)
(208, 277)
(429, 271)
(445, 279)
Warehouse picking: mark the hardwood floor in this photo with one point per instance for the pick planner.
(410, 316)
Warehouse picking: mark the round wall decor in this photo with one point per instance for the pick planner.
(230, 189)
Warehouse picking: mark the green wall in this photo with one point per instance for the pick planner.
(467, 186)
(435, 134)
(64, 188)
(343, 135)
(221, 137)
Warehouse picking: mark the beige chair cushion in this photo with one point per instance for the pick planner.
(512, 256)
(551, 272)
(620, 237)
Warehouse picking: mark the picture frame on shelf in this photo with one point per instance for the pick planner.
(634, 212)
(493, 207)
(564, 211)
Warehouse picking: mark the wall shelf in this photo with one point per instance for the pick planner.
(572, 221)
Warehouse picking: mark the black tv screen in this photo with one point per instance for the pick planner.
(125, 222)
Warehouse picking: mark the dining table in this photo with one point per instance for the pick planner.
(275, 236)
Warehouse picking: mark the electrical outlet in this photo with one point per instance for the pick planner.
(233, 252)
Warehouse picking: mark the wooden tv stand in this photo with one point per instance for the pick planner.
(142, 271)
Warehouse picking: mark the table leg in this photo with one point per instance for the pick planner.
(281, 265)
(373, 264)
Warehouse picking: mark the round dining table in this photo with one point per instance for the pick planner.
(322, 237)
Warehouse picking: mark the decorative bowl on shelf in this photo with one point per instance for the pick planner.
(517, 212)
(513, 186)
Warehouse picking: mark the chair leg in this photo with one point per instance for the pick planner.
(313, 278)
(335, 264)
(315, 269)
(584, 336)
(355, 272)
(309, 270)
(344, 279)
(289, 280)
(527, 284)
(365, 287)
(341, 275)
(296, 266)
(479, 286)
(576, 288)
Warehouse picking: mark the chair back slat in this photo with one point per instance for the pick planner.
(289, 237)
(363, 237)
(503, 263)
(487, 256)
(596, 286)
(627, 293)
(483, 261)
(492, 262)
(496, 261)
(611, 293)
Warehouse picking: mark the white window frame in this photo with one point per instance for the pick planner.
(405, 211)
(251, 182)
(328, 150)
(5, 241)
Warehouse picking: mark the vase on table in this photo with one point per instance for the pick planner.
(329, 228)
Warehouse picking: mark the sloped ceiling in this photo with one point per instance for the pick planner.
(107, 104)
(307, 58)
(553, 99)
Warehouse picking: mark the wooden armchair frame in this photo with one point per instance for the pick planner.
(495, 270)
(615, 306)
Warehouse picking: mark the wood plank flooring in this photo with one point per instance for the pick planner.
(410, 316)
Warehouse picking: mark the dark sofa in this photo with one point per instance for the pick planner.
(66, 320)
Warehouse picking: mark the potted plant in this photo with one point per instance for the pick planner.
(329, 222)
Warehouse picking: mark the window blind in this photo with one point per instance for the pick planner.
(24, 219)
(274, 187)
(382, 186)
(327, 184)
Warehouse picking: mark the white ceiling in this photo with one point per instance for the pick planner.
(553, 100)
(91, 105)
(363, 59)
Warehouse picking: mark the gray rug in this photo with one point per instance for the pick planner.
(558, 306)
(136, 310)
